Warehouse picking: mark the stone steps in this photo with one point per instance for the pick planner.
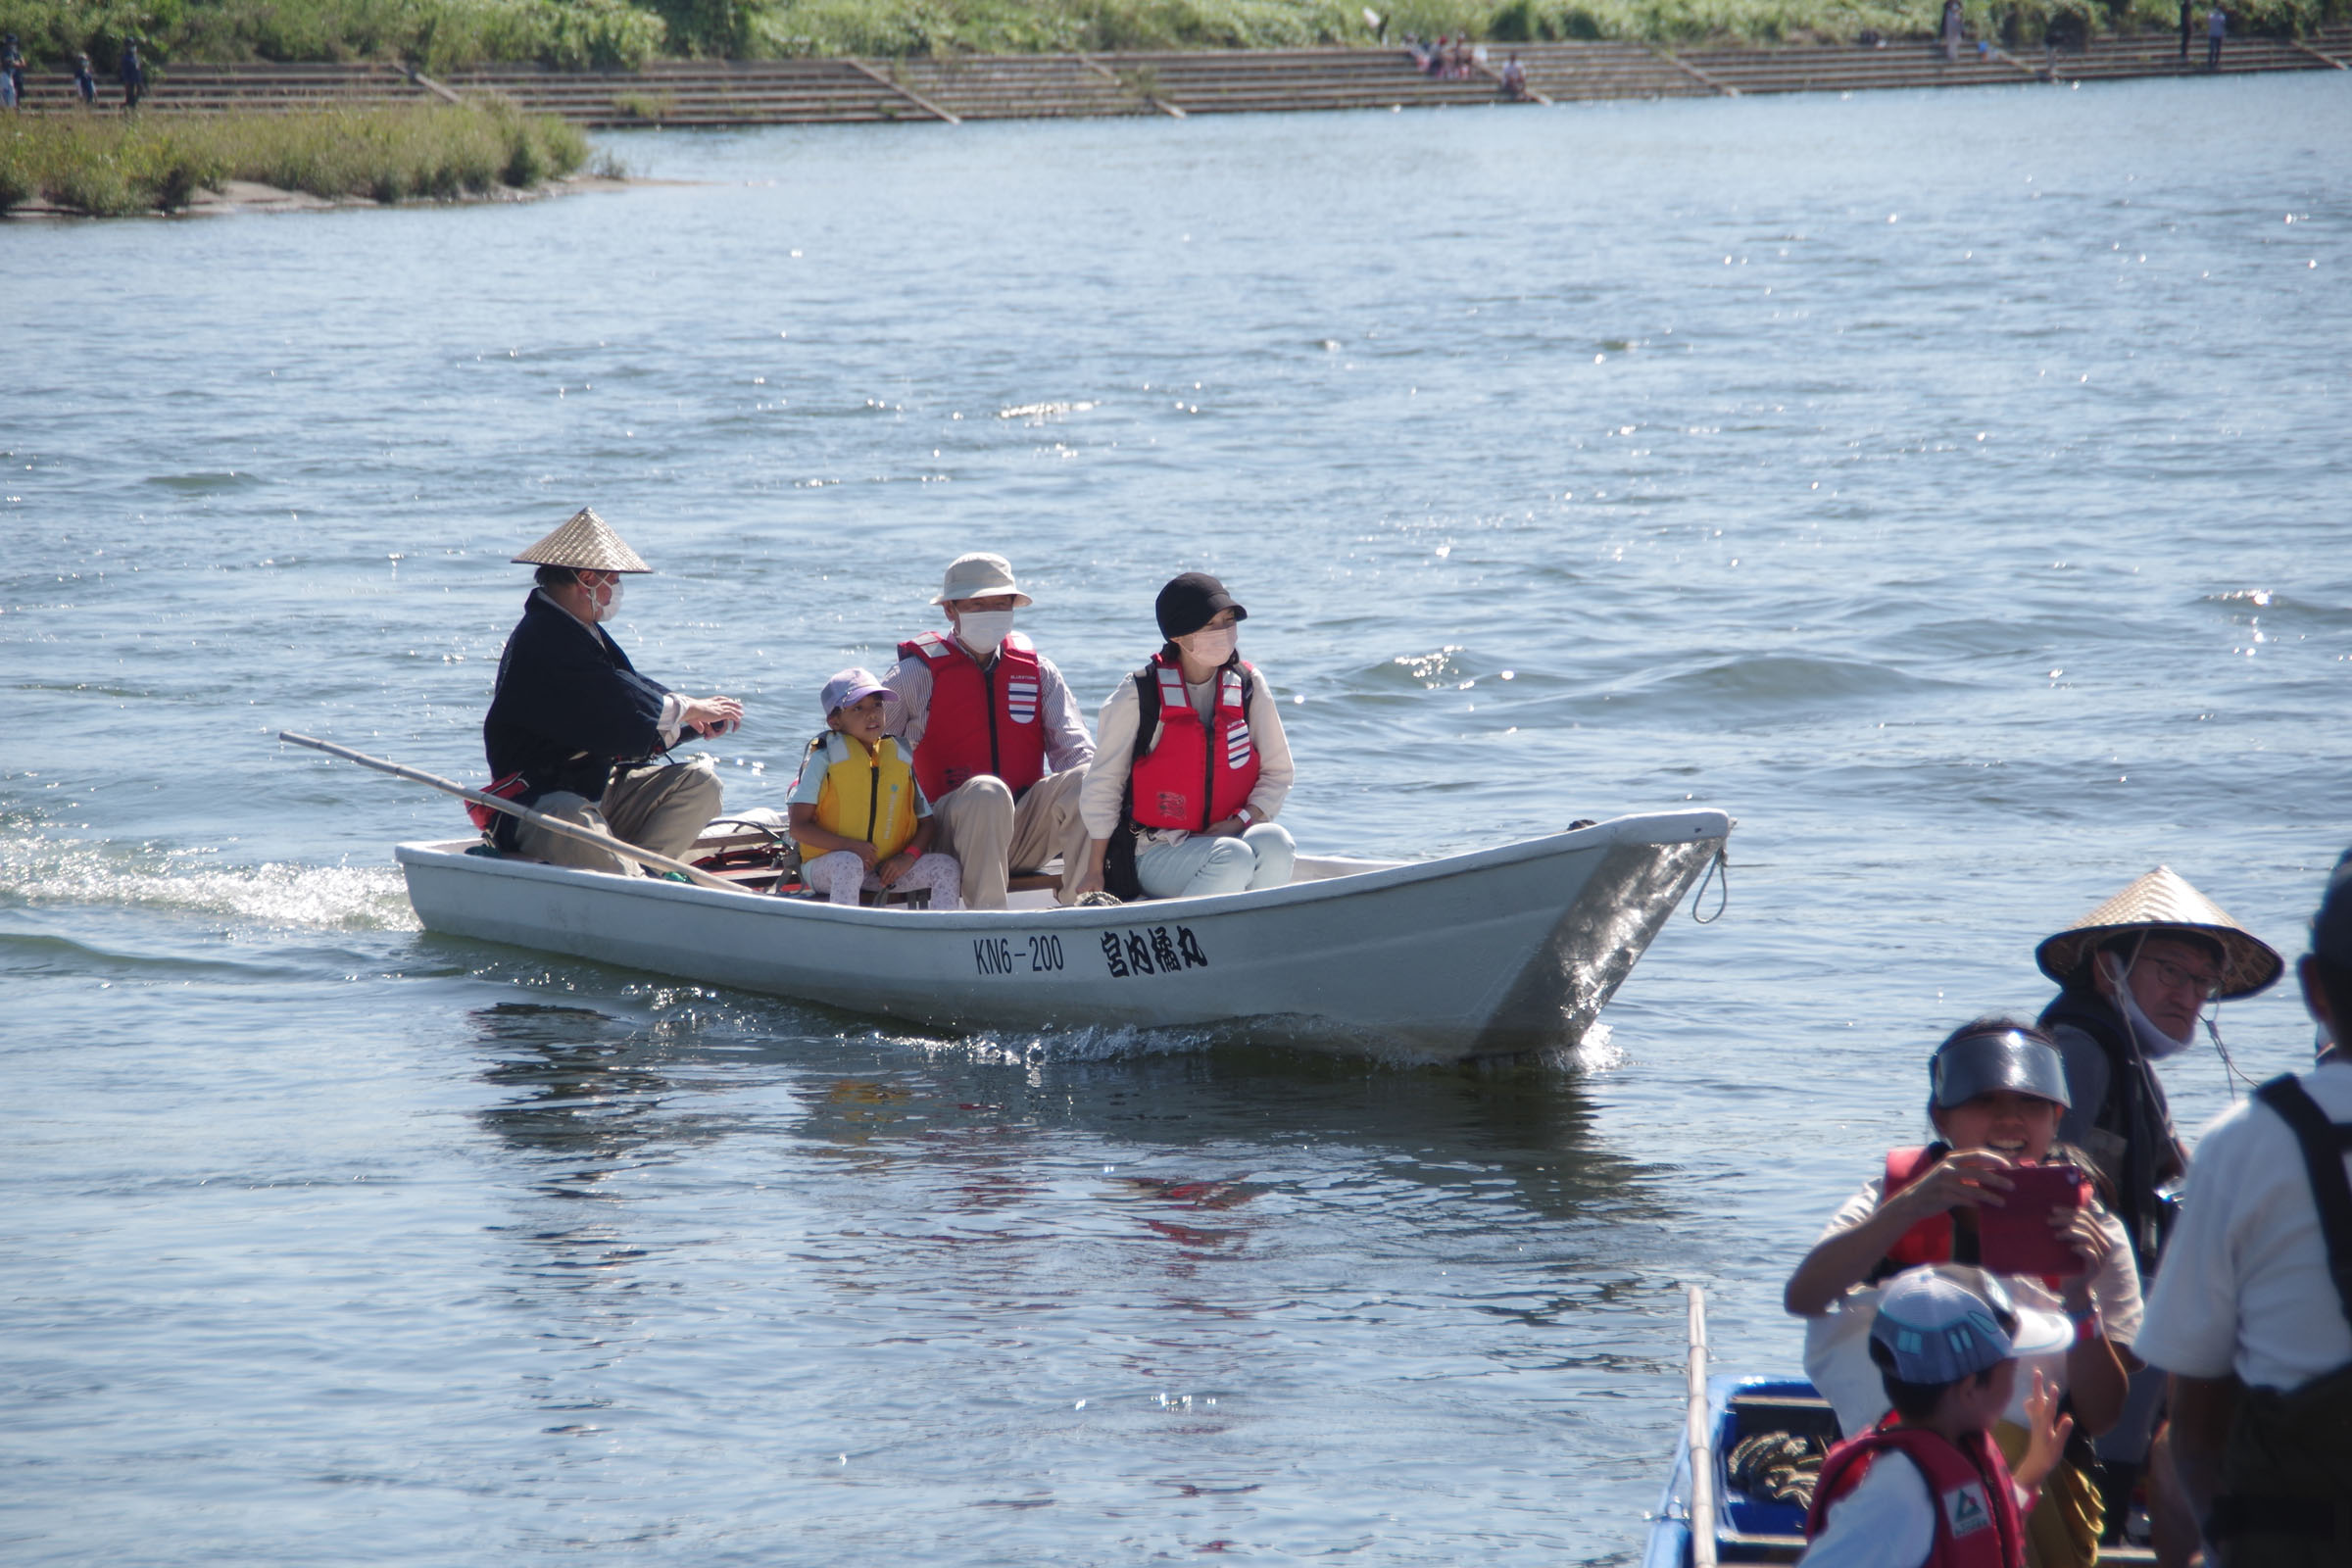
(719, 92)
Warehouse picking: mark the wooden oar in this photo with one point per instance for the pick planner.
(553, 825)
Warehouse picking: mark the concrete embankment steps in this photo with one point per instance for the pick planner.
(1852, 67)
(1208, 81)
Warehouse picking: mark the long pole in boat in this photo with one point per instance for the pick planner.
(1701, 1441)
(553, 825)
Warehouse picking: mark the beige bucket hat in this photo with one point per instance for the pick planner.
(980, 575)
(587, 543)
(2162, 901)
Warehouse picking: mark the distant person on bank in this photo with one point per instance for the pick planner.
(85, 82)
(2253, 1313)
(1192, 764)
(133, 75)
(857, 813)
(2134, 975)
(2217, 28)
(2185, 14)
(1952, 27)
(998, 747)
(12, 62)
(573, 731)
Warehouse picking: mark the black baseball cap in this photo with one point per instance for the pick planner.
(1191, 602)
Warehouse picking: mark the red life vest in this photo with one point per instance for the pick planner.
(1931, 1240)
(980, 721)
(1190, 778)
(1977, 1520)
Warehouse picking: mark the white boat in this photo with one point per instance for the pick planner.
(1495, 953)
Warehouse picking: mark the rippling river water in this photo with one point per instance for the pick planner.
(1953, 487)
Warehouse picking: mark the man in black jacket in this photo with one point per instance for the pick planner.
(575, 731)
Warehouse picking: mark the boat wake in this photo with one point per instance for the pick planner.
(37, 870)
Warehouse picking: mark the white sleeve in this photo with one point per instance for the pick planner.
(1115, 757)
(1888, 1521)
(1274, 768)
(672, 719)
(909, 680)
(1066, 742)
(2192, 1322)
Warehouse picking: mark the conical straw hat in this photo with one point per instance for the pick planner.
(587, 542)
(2162, 901)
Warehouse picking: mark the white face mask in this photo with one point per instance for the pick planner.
(608, 607)
(1211, 646)
(981, 630)
(2154, 1043)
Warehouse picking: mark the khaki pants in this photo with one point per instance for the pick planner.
(663, 807)
(980, 825)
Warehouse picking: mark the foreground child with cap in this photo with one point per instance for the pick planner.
(857, 811)
(1998, 1090)
(1191, 764)
(1927, 1485)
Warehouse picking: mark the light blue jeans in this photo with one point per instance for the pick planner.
(1259, 858)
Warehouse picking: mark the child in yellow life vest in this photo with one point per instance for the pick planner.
(858, 815)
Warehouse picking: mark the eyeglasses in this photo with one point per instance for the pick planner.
(2173, 977)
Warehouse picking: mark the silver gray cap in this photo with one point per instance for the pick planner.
(1997, 1058)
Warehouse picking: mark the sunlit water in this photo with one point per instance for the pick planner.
(1950, 486)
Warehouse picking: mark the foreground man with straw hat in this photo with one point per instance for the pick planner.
(572, 728)
(2134, 975)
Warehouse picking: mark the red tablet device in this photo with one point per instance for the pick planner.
(2016, 1237)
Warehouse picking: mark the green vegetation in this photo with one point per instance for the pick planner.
(448, 34)
(106, 165)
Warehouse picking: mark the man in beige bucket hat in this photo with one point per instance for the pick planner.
(998, 747)
(2134, 975)
(573, 729)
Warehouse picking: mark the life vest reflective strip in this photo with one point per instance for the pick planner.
(866, 796)
(1183, 780)
(979, 720)
(1977, 1520)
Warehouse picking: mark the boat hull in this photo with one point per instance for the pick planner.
(1495, 953)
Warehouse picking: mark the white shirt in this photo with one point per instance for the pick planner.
(1836, 1343)
(2245, 1286)
(1066, 742)
(1888, 1521)
(1114, 754)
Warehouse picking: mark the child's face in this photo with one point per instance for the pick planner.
(861, 719)
(2020, 1126)
(1981, 1403)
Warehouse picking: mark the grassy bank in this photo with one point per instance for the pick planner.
(448, 34)
(107, 166)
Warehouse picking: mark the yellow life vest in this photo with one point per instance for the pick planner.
(865, 795)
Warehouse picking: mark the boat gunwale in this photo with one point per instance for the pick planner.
(1636, 829)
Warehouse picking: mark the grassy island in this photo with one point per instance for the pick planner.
(448, 34)
(109, 166)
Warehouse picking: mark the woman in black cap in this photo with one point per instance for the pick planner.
(1190, 764)
(1997, 1089)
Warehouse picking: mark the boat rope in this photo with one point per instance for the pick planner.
(1718, 871)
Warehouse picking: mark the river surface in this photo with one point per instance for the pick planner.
(1953, 487)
